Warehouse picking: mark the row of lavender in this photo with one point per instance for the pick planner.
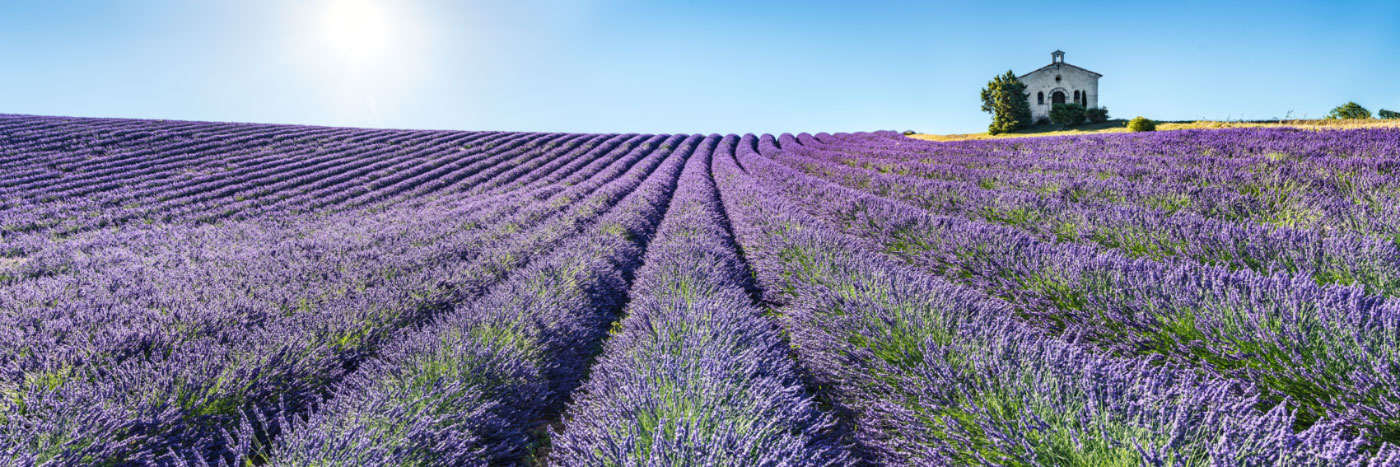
(695, 374)
(1327, 255)
(196, 342)
(675, 300)
(1282, 177)
(469, 387)
(1325, 349)
(59, 179)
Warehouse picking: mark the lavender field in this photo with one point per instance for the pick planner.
(189, 293)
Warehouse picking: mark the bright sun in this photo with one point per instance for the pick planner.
(357, 32)
(364, 57)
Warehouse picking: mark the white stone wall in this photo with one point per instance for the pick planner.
(1071, 79)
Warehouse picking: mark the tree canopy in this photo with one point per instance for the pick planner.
(1349, 110)
(1005, 98)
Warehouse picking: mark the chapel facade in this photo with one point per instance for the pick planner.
(1060, 83)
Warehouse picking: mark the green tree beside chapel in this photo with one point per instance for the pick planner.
(1005, 98)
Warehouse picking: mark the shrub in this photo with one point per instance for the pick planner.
(1349, 110)
(1042, 121)
(1005, 98)
(1388, 114)
(1142, 124)
(1067, 115)
(1096, 114)
(908, 132)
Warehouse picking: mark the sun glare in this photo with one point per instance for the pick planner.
(363, 57)
(357, 32)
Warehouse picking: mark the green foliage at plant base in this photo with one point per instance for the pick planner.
(1142, 124)
(1096, 114)
(1005, 98)
(1349, 110)
(1067, 115)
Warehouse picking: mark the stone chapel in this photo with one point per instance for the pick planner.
(1060, 83)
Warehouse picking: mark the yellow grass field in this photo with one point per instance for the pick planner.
(1120, 126)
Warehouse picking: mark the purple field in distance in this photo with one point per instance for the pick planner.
(192, 293)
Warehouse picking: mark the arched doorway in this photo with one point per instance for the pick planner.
(1058, 97)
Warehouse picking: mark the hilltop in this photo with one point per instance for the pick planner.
(1120, 126)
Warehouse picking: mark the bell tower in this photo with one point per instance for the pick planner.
(1057, 57)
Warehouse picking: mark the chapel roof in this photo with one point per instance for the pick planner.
(1046, 67)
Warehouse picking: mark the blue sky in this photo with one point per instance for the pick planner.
(634, 66)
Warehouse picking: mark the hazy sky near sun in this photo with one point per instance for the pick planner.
(647, 66)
